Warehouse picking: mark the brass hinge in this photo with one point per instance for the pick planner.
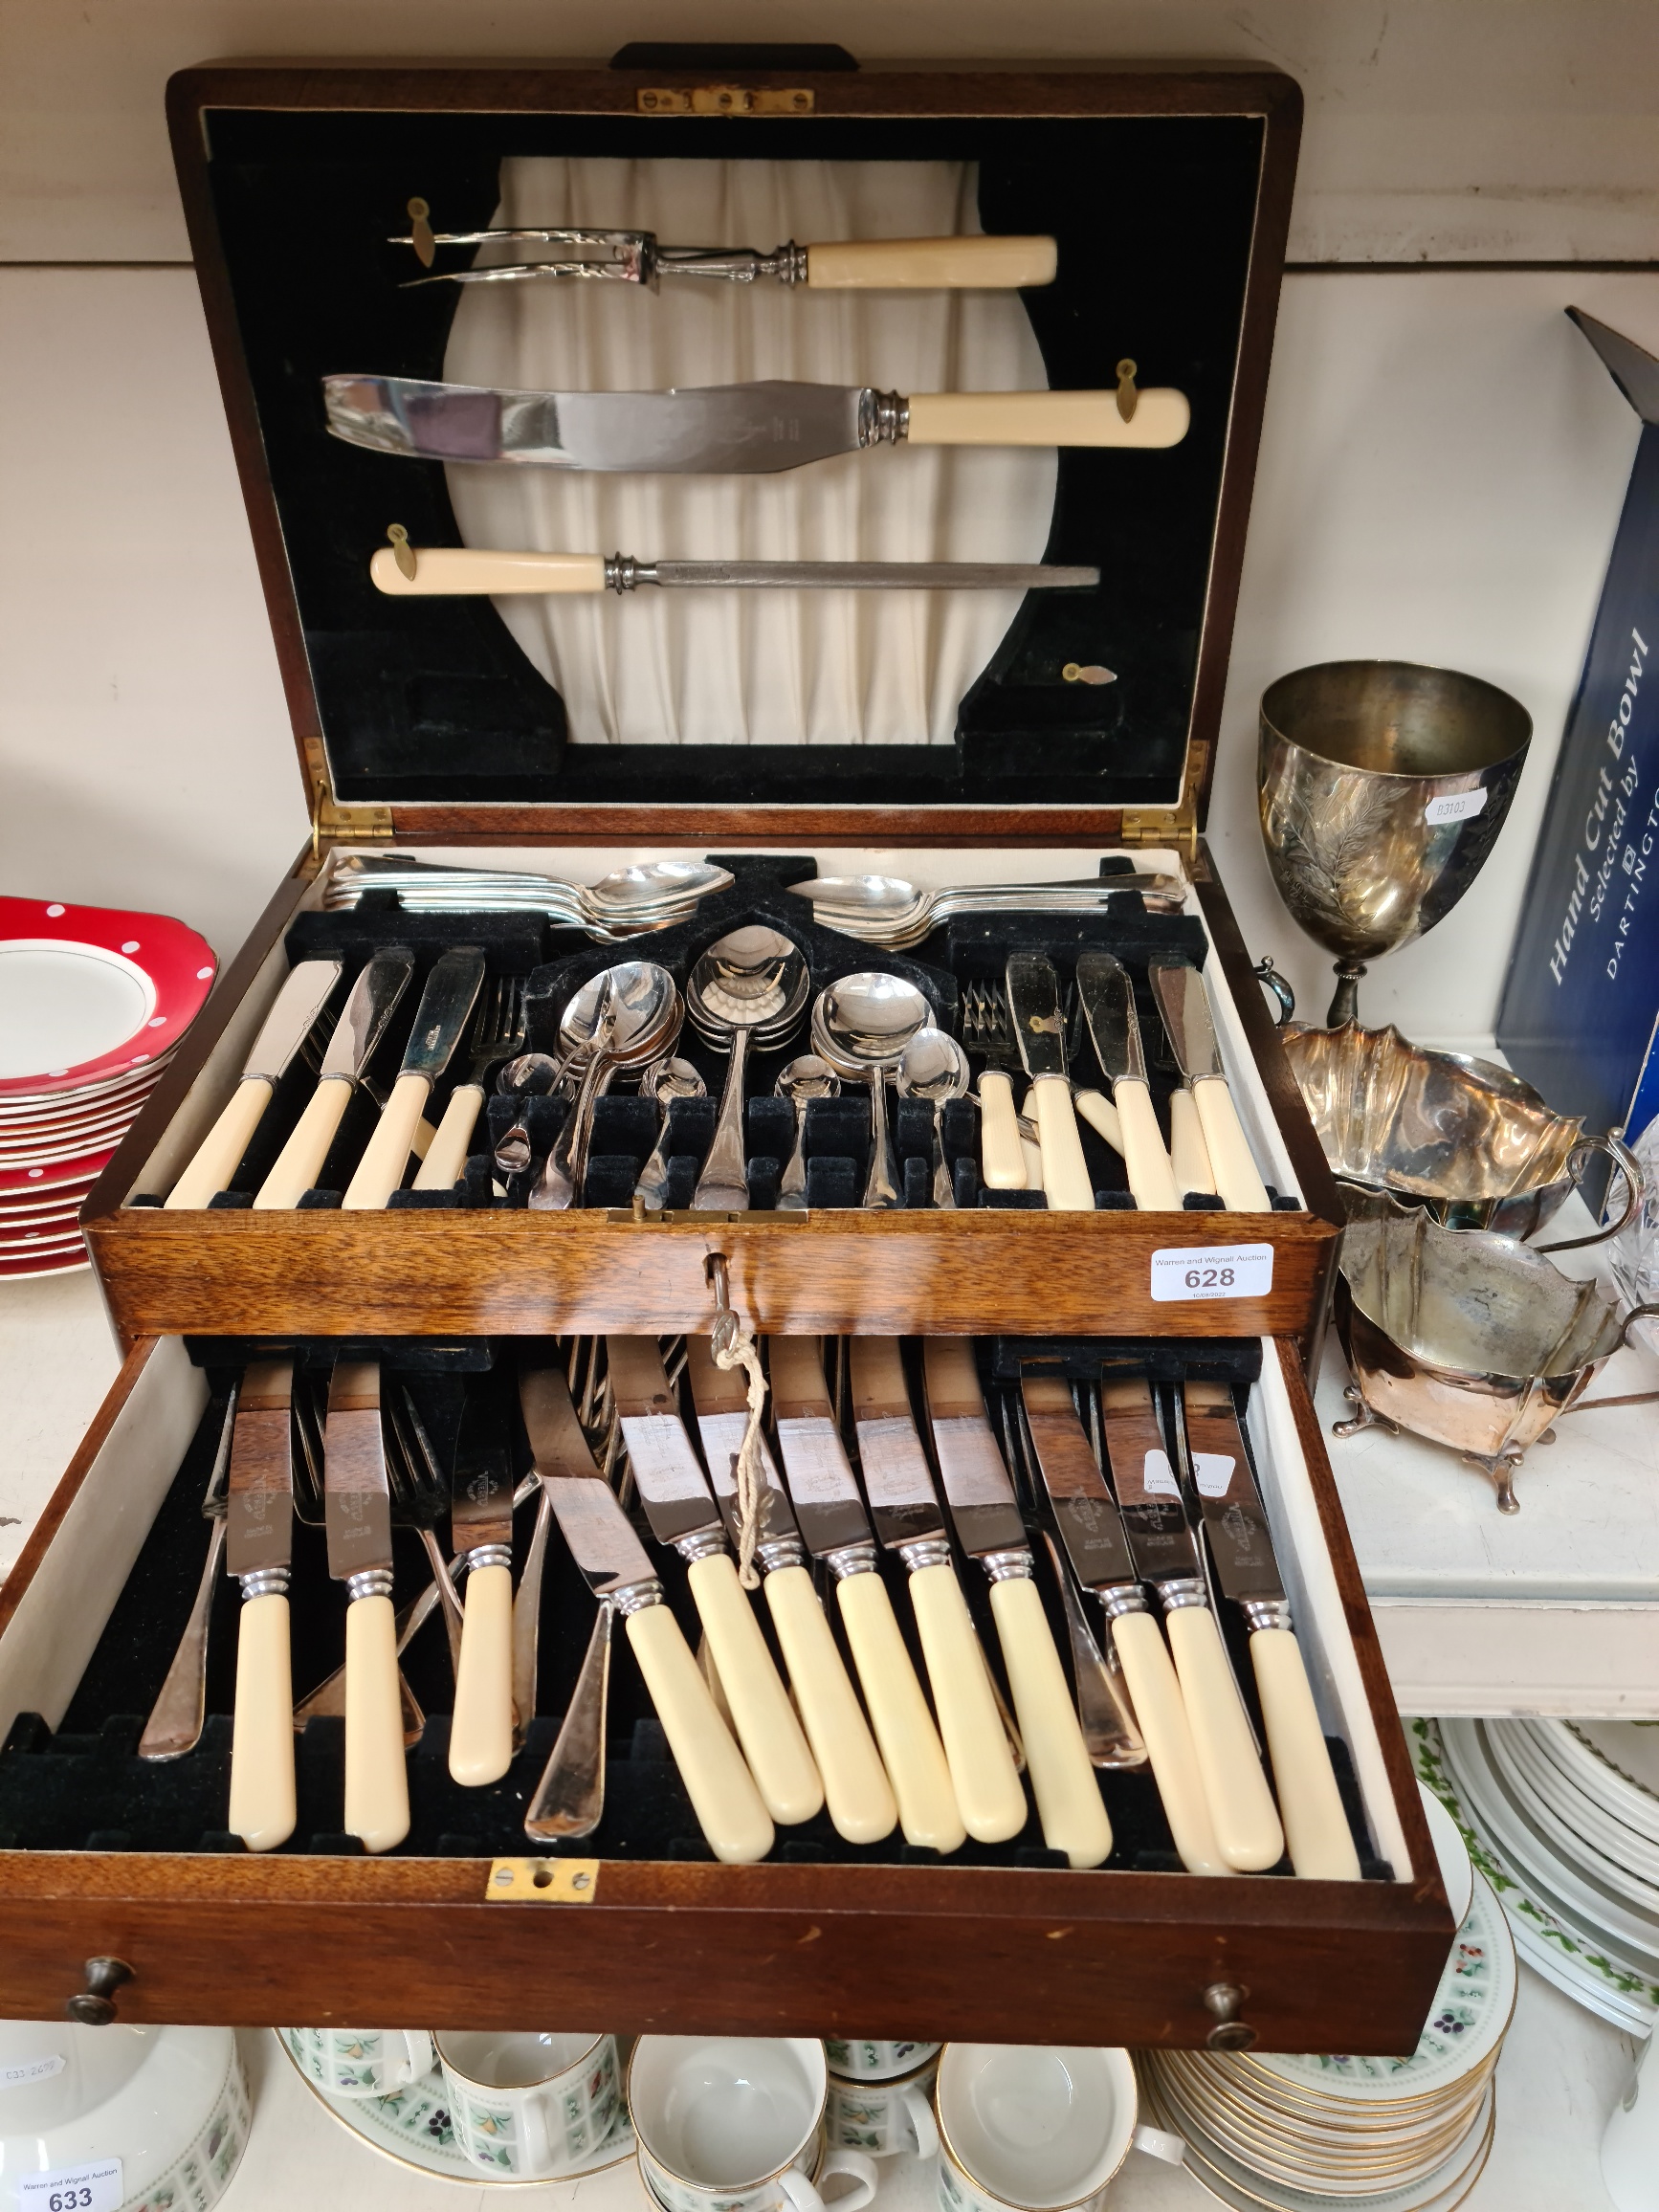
(723, 100)
(1176, 827)
(542, 1881)
(329, 819)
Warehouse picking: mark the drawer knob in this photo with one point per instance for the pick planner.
(1223, 1999)
(93, 2007)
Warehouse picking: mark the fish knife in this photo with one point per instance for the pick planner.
(905, 1510)
(1217, 1467)
(293, 1016)
(988, 1527)
(452, 991)
(356, 1522)
(405, 571)
(1091, 1531)
(481, 1537)
(722, 430)
(835, 1527)
(1164, 1548)
(855, 1787)
(1184, 1006)
(1108, 996)
(613, 1561)
(368, 1007)
(258, 1549)
(681, 1510)
(1040, 1031)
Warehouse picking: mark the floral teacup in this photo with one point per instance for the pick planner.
(526, 2105)
(363, 2062)
(857, 2059)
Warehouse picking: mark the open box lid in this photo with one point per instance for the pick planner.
(1168, 193)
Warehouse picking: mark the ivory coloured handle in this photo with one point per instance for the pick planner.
(721, 1787)
(449, 571)
(445, 1160)
(1069, 1802)
(1144, 1158)
(976, 1746)
(1001, 1162)
(931, 264)
(216, 1157)
(1240, 1805)
(1102, 1115)
(1046, 418)
(299, 1162)
(1162, 1715)
(764, 1719)
(381, 1169)
(262, 1800)
(1316, 1832)
(376, 1775)
(482, 1732)
(1189, 1153)
(855, 1787)
(1066, 1180)
(910, 1746)
(1236, 1179)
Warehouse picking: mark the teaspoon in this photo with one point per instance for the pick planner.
(664, 1081)
(749, 984)
(935, 1069)
(803, 1079)
(861, 1025)
(624, 1015)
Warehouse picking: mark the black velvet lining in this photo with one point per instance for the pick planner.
(432, 699)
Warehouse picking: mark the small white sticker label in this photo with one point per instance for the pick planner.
(1159, 1476)
(665, 1465)
(1212, 1472)
(1212, 1271)
(816, 1463)
(723, 1435)
(25, 2071)
(1455, 806)
(92, 2188)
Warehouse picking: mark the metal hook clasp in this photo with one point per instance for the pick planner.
(1128, 398)
(401, 551)
(421, 237)
(716, 1271)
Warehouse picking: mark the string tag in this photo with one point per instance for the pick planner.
(731, 1346)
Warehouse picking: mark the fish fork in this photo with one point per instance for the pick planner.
(499, 1030)
(175, 1726)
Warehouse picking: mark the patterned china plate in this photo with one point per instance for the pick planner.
(1232, 2184)
(89, 993)
(78, 1174)
(22, 1271)
(1615, 1856)
(1616, 1762)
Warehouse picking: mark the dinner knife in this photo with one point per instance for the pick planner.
(988, 1527)
(612, 1559)
(1108, 996)
(293, 1016)
(368, 1007)
(481, 1537)
(681, 1510)
(1091, 1531)
(856, 1790)
(722, 430)
(1184, 1006)
(1164, 1549)
(1040, 1031)
(835, 1527)
(258, 1547)
(452, 991)
(357, 1522)
(1217, 1466)
(405, 571)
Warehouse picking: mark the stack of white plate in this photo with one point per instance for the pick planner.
(1564, 1817)
(93, 1003)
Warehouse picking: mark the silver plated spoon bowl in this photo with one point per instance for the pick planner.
(664, 1081)
(748, 987)
(861, 1025)
(935, 1069)
(620, 1018)
(803, 1081)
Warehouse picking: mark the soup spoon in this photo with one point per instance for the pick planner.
(750, 984)
(803, 1081)
(861, 1025)
(935, 1069)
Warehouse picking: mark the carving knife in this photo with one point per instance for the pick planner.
(836, 1529)
(258, 1546)
(1040, 1031)
(452, 991)
(605, 1547)
(357, 1520)
(1164, 1549)
(1091, 1531)
(722, 430)
(1184, 1006)
(405, 571)
(855, 1787)
(681, 1510)
(1217, 1466)
(292, 1018)
(1107, 999)
(368, 1007)
(989, 1528)
(481, 1537)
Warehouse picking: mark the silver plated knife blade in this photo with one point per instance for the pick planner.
(481, 1482)
(981, 1497)
(821, 1486)
(357, 1495)
(293, 1016)
(259, 1505)
(452, 991)
(1183, 1003)
(1039, 1024)
(721, 1398)
(373, 998)
(1234, 1518)
(592, 1521)
(1161, 1540)
(1085, 1513)
(898, 1480)
(673, 1486)
(1108, 996)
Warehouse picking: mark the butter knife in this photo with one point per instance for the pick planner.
(1164, 1548)
(258, 1548)
(368, 1007)
(452, 991)
(357, 1522)
(1184, 1006)
(292, 1018)
(481, 1537)
(835, 1526)
(856, 1790)
(681, 1510)
(1107, 999)
(1217, 1467)
(1040, 1031)
(988, 1526)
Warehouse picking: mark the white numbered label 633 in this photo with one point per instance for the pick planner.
(1212, 1271)
(96, 2187)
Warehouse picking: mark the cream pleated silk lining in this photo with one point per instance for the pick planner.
(696, 667)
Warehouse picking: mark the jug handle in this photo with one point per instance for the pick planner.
(1626, 1163)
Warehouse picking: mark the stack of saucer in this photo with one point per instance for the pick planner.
(93, 1003)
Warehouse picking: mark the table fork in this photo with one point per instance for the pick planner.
(175, 1726)
(499, 1030)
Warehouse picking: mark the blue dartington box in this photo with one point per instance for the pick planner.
(1581, 998)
